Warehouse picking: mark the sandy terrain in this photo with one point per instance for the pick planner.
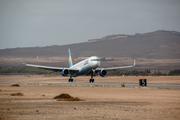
(100, 102)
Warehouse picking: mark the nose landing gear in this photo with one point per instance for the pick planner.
(91, 80)
(92, 74)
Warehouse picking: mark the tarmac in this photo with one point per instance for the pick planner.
(111, 84)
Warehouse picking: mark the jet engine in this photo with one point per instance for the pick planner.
(103, 73)
(65, 72)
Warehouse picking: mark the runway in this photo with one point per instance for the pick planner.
(149, 85)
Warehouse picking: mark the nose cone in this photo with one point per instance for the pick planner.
(95, 62)
(98, 64)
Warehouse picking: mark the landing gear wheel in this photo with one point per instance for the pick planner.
(70, 80)
(91, 80)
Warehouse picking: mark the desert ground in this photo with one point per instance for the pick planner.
(121, 103)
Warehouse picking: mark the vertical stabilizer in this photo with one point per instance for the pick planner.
(70, 59)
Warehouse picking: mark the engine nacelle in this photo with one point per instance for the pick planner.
(65, 72)
(103, 73)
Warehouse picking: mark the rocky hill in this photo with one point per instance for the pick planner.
(157, 45)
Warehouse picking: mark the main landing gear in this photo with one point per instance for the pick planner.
(91, 80)
(70, 79)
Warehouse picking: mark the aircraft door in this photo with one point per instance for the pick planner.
(90, 62)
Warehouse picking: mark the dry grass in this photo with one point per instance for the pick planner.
(67, 97)
(17, 94)
(122, 84)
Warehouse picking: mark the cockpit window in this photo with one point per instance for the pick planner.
(95, 60)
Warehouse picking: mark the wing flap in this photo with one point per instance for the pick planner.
(116, 68)
(45, 67)
(50, 68)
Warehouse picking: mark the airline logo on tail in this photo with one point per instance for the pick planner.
(70, 59)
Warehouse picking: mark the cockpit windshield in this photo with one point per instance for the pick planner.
(95, 60)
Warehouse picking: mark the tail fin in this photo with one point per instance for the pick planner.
(70, 59)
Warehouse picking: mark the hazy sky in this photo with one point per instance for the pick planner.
(29, 23)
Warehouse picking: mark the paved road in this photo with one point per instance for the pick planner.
(151, 85)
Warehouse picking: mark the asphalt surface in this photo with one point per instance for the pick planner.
(150, 85)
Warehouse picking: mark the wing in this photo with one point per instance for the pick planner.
(115, 68)
(50, 68)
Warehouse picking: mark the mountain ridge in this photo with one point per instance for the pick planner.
(159, 44)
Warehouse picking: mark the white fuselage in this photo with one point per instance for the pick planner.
(86, 65)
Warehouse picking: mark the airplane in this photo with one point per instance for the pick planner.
(88, 66)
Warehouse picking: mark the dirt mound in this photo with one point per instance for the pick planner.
(17, 94)
(15, 85)
(67, 97)
(62, 96)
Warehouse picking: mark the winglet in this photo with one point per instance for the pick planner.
(22, 62)
(134, 62)
(70, 59)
